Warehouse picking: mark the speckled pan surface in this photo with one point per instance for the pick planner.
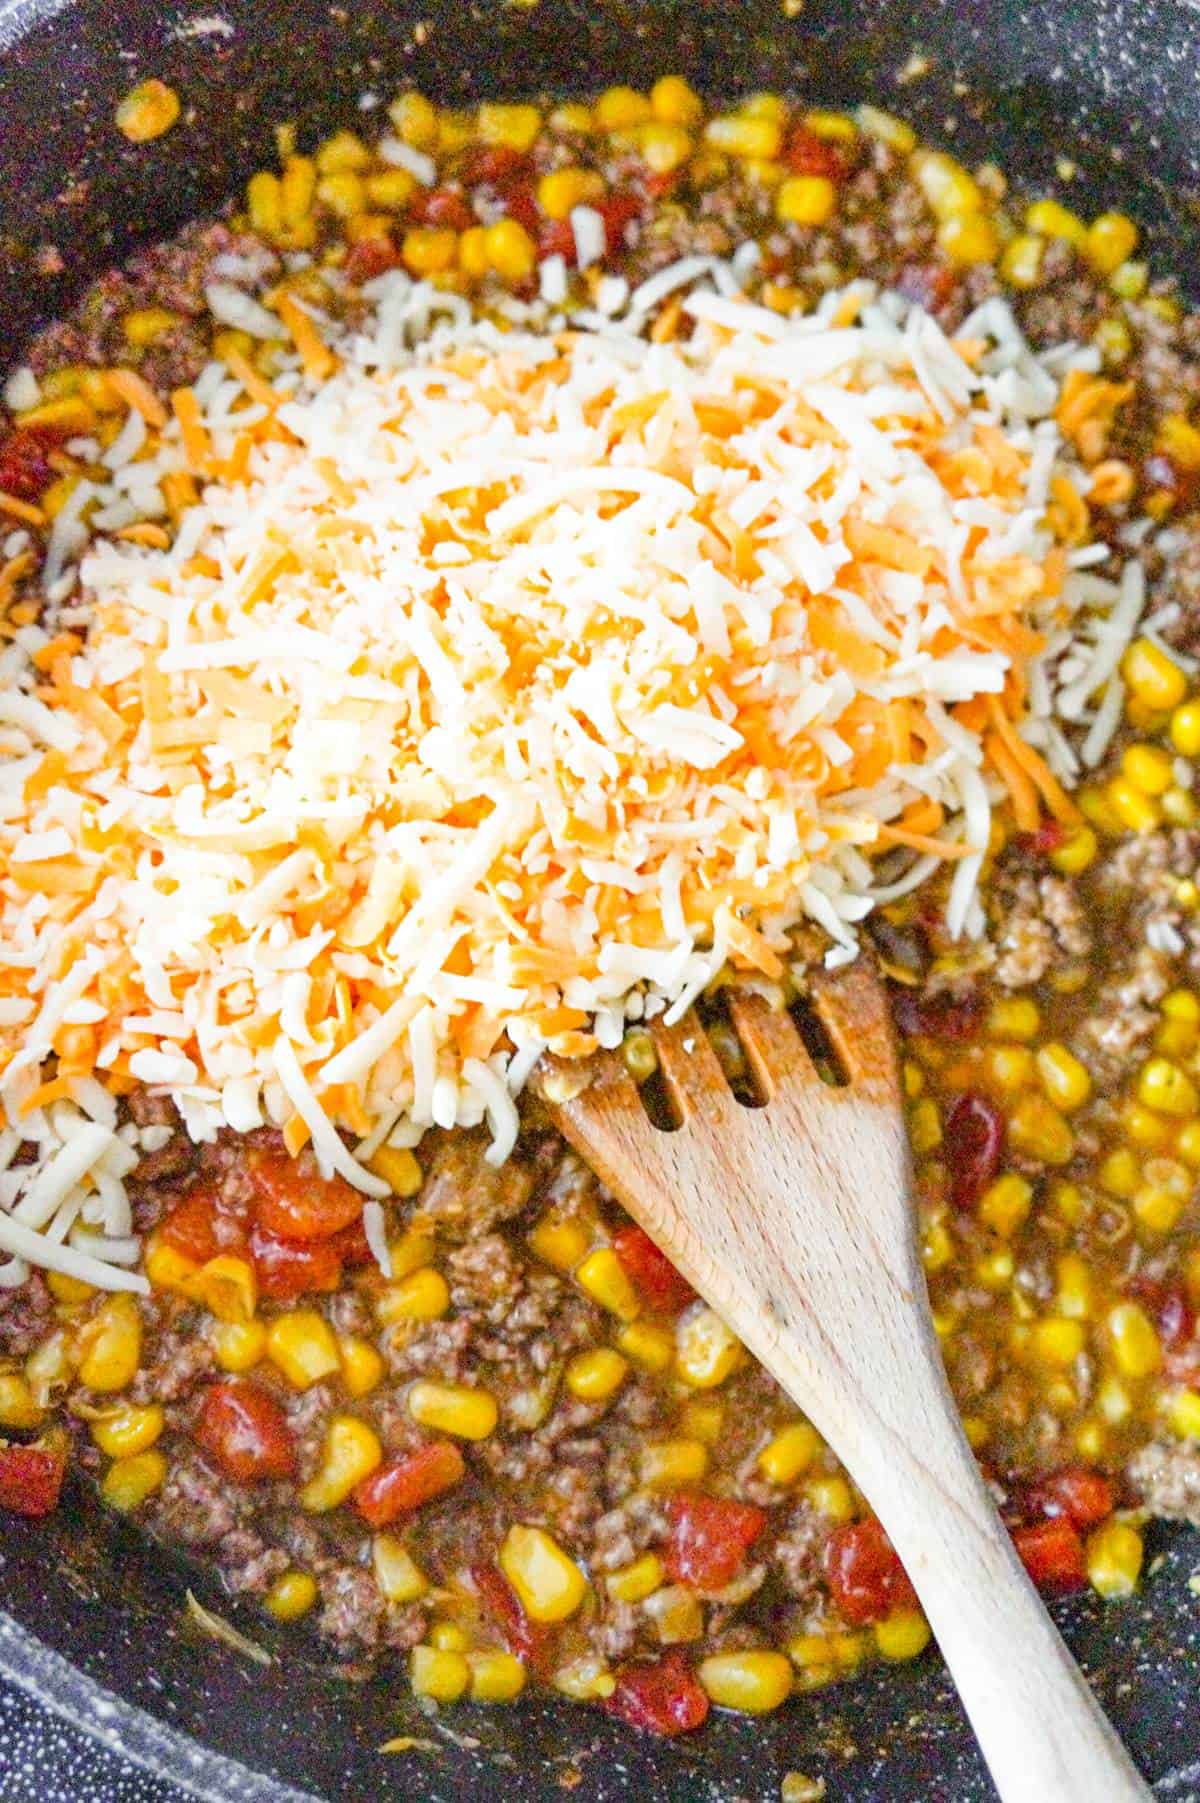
(96, 1630)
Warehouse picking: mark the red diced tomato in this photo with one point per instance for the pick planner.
(710, 1537)
(806, 154)
(441, 207)
(517, 199)
(31, 1478)
(864, 1574)
(651, 1271)
(490, 164)
(407, 1482)
(246, 1431)
(194, 1228)
(973, 1145)
(521, 1636)
(1052, 1554)
(370, 257)
(286, 1269)
(295, 1201)
(942, 1016)
(556, 238)
(618, 211)
(25, 467)
(1085, 1498)
(660, 1695)
(351, 1244)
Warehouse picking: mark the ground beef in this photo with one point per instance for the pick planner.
(177, 1361)
(1167, 1478)
(1041, 922)
(195, 1507)
(26, 1316)
(1182, 588)
(248, 1565)
(796, 1554)
(353, 1612)
(1122, 1017)
(464, 1195)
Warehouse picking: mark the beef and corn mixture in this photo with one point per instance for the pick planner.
(530, 1453)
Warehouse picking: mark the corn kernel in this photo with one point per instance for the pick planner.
(111, 1345)
(1114, 1401)
(904, 1634)
(514, 126)
(442, 1676)
(1133, 808)
(1010, 1068)
(49, 1367)
(1142, 1126)
(239, 1345)
(634, 1583)
(1135, 1344)
(1066, 1199)
(291, 1595)
(1152, 677)
(429, 250)
(977, 1431)
(1066, 1081)
(702, 1417)
(603, 1277)
(399, 1577)
(70, 1291)
(350, 1453)
(344, 193)
(449, 1637)
(753, 1683)
(130, 1482)
(1149, 768)
(1185, 729)
(561, 1241)
(1014, 1017)
(19, 1407)
(1005, 1204)
(707, 1352)
(1074, 1294)
(948, 188)
(1037, 1128)
(619, 109)
(664, 148)
(362, 1366)
(344, 150)
(670, 1464)
(1021, 260)
(148, 111)
(548, 1583)
(1183, 1414)
(925, 1127)
(1052, 220)
(1114, 1559)
(1120, 1173)
(1163, 1086)
(831, 1497)
(228, 1288)
(562, 189)
(423, 1295)
(674, 102)
(1178, 807)
(1157, 1205)
(1111, 240)
(675, 1614)
(411, 1251)
(649, 1344)
(301, 1344)
(571, 116)
(496, 1677)
(586, 1680)
(415, 120)
(893, 132)
(510, 250)
(937, 1247)
(1057, 1342)
(297, 190)
(133, 1430)
(805, 200)
(399, 1169)
(391, 190)
(1077, 851)
(994, 1271)
(837, 127)
(144, 325)
(454, 1409)
(596, 1375)
(1091, 1441)
(789, 1453)
(734, 134)
(1114, 341)
(1187, 1144)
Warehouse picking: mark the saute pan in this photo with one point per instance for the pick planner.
(92, 1620)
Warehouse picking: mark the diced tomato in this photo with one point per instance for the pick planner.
(370, 257)
(660, 1695)
(441, 207)
(1052, 1554)
(865, 1577)
(286, 1269)
(1085, 1498)
(710, 1537)
(972, 1146)
(191, 1227)
(25, 467)
(521, 1636)
(517, 199)
(31, 1478)
(246, 1431)
(487, 165)
(556, 238)
(351, 1244)
(651, 1271)
(294, 1200)
(942, 1016)
(618, 211)
(1173, 1314)
(806, 154)
(405, 1483)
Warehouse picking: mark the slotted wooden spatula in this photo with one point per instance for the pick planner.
(794, 1221)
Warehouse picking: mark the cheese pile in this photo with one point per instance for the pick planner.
(500, 689)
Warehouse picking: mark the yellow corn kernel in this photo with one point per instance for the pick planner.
(297, 189)
(831, 1497)
(968, 238)
(239, 1345)
(560, 1240)
(1187, 1144)
(914, 1079)
(925, 1126)
(805, 200)
(1179, 809)
(547, 1581)
(1142, 1126)
(603, 1277)
(937, 1247)
(1165, 1087)
(344, 150)
(813, 1652)
(411, 1251)
(1180, 440)
(994, 1271)
(675, 1614)
(948, 188)
(596, 1375)
(133, 1430)
(1134, 809)
(1152, 677)
(1114, 1559)
(1157, 1206)
(702, 1418)
(19, 1407)
(707, 1352)
(148, 111)
(1005, 1204)
(415, 120)
(1057, 1341)
(664, 147)
(789, 1453)
(424, 1295)
(571, 116)
(674, 102)
(1077, 851)
(399, 1169)
(753, 1683)
(838, 127)
(669, 1464)
(619, 109)
(110, 1345)
(1185, 729)
(449, 1637)
(1183, 1414)
(510, 250)
(1111, 240)
(1066, 1199)
(1135, 1344)
(399, 1577)
(977, 1431)
(390, 190)
(472, 253)
(440, 1675)
(1074, 1295)
(1098, 810)
(649, 1344)
(429, 250)
(130, 1482)
(514, 126)
(144, 325)
(362, 1365)
(1021, 260)
(344, 193)
(291, 1595)
(904, 1634)
(893, 132)
(1014, 1017)
(454, 1409)
(1091, 1441)
(634, 1583)
(228, 1288)
(1066, 1081)
(1036, 1127)
(70, 1291)
(735, 134)
(562, 189)
(1053, 220)
(586, 1680)
(350, 1453)
(49, 1367)
(496, 1677)
(1114, 1401)
(301, 1344)
(1120, 1173)
(1149, 768)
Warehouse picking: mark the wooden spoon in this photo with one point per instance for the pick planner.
(794, 1220)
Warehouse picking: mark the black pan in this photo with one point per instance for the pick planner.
(1116, 87)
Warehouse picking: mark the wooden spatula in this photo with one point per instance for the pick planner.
(794, 1220)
